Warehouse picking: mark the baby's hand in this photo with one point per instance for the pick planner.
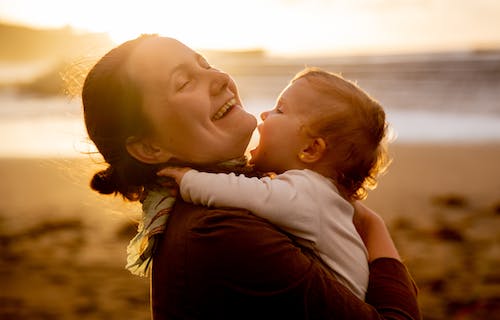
(173, 172)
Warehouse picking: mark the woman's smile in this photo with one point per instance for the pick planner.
(224, 109)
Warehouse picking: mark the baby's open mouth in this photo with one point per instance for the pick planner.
(224, 109)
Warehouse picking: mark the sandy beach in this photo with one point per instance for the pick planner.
(63, 246)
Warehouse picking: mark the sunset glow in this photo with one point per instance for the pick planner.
(280, 26)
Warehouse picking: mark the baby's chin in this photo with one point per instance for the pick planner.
(253, 153)
(256, 162)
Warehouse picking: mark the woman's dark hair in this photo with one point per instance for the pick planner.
(113, 113)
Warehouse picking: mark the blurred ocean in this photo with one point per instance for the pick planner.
(434, 98)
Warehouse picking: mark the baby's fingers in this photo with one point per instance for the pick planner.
(168, 172)
(173, 172)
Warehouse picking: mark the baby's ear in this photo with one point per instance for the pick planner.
(313, 151)
(146, 151)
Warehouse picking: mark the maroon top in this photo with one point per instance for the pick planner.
(230, 264)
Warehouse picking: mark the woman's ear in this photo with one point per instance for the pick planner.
(313, 151)
(144, 150)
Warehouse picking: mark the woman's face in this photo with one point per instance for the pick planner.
(195, 110)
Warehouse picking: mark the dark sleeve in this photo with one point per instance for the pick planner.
(237, 266)
(392, 294)
(392, 290)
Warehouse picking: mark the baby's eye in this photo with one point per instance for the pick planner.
(279, 110)
(183, 84)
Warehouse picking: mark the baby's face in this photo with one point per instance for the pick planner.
(282, 131)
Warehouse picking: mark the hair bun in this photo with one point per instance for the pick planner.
(104, 182)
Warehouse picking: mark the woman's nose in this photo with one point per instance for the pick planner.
(220, 81)
(263, 115)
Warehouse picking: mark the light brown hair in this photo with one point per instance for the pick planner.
(354, 128)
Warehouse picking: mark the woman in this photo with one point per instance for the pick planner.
(153, 101)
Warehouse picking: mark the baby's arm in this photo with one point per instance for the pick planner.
(276, 200)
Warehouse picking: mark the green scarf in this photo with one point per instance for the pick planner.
(156, 207)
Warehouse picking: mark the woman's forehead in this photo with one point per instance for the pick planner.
(158, 57)
(157, 52)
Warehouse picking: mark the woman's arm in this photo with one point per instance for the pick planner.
(390, 282)
(391, 294)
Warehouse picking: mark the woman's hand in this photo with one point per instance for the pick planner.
(372, 229)
(174, 172)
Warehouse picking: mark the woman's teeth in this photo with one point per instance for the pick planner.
(224, 109)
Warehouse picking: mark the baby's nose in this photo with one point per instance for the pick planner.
(263, 115)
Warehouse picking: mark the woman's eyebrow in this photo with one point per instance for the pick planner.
(183, 66)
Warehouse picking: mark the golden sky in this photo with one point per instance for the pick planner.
(280, 26)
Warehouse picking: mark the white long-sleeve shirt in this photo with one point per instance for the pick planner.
(301, 202)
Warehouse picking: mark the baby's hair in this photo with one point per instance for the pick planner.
(355, 130)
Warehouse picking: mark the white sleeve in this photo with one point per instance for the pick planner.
(278, 200)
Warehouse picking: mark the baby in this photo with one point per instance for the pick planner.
(325, 143)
